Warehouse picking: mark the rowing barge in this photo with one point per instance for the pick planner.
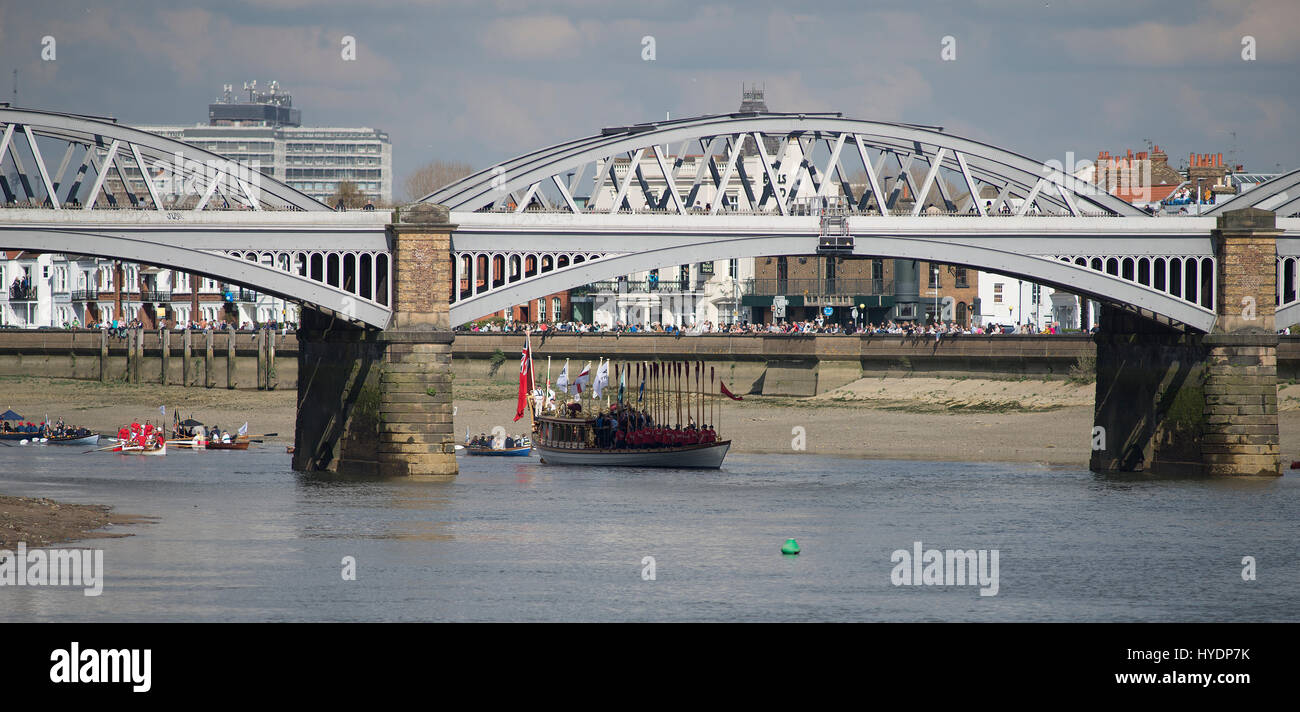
(160, 449)
(577, 441)
(91, 440)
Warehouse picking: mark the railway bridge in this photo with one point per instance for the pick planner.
(1192, 305)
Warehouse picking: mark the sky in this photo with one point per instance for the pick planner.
(480, 81)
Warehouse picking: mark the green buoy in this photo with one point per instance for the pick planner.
(790, 547)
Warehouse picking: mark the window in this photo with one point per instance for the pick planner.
(541, 309)
(997, 293)
(733, 269)
(555, 307)
(962, 282)
(933, 269)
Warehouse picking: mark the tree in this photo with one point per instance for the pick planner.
(434, 175)
(352, 197)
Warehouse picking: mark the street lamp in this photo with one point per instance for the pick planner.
(936, 293)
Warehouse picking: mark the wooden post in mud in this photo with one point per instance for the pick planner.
(186, 351)
(103, 355)
(139, 354)
(164, 352)
(271, 380)
(260, 341)
(131, 371)
(209, 378)
(230, 359)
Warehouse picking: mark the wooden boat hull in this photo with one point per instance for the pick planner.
(19, 436)
(90, 440)
(706, 456)
(503, 452)
(227, 446)
(141, 451)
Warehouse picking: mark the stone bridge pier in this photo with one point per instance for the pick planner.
(1197, 404)
(379, 403)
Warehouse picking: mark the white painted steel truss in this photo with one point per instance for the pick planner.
(1280, 195)
(863, 165)
(105, 165)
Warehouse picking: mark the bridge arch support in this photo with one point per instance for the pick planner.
(235, 268)
(1055, 272)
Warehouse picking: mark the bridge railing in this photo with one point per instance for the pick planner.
(614, 286)
(837, 286)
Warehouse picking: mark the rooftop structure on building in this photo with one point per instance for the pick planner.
(261, 129)
(271, 107)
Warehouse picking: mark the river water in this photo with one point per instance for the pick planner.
(241, 537)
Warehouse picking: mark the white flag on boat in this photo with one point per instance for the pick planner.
(583, 378)
(162, 409)
(243, 429)
(562, 382)
(602, 378)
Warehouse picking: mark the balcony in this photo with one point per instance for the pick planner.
(19, 293)
(836, 286)
(85, 295)
(638, 286)
(156, 296)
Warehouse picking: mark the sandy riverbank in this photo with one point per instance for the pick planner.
(1023, 420)
(42, 522)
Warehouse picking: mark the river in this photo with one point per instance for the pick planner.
(241, 537)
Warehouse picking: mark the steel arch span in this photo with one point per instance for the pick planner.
(866, 165)
(1280, 194)
(1174, 287)
(114, 165)
(263, 270)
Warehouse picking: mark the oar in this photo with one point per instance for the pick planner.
(109, 447)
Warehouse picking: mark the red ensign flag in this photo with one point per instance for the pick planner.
(728, 393)
(525, 377)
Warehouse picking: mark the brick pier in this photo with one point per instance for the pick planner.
(1197, 404)
(379, 403)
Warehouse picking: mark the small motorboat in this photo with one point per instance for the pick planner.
(521, 451)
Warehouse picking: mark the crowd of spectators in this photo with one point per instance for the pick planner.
(119, 327)
(811, 326)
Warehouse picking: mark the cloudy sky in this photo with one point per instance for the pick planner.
(483, 80)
